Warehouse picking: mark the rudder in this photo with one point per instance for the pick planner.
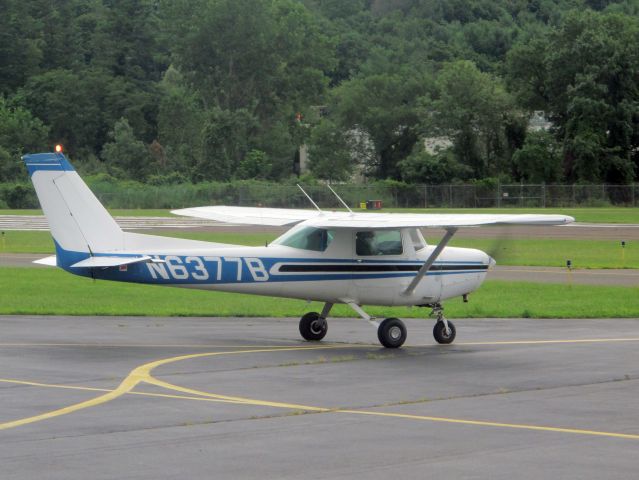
(77, 219)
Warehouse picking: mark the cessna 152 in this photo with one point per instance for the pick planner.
(332, 257)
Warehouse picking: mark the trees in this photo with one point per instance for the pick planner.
(472, 108)
(585, 74)
(266, 61)
(330, 153)
(539, 160)
(20, 133)
(215, 86)
(126, 156)
(384, 106)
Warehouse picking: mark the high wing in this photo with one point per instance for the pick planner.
(276, 217)
(286, 217)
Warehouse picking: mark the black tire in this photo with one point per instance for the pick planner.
(439, 332)
(312, 327)
(392, 333)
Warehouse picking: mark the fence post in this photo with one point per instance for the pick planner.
(498, 194)
(425, 196)
(632, 194)
(574, 198)
(543, 195)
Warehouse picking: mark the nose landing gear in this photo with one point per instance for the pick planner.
(443, 331)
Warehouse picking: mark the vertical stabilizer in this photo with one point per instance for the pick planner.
(77, 219)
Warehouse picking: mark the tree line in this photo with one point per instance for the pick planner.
(176, 91)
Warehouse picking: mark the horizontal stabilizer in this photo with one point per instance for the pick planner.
(104, 262)
(49, 261)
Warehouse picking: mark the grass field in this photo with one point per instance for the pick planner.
(528, 252)
(590, 215)
(54, 292)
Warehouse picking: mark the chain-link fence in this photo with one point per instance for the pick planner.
(391, 196)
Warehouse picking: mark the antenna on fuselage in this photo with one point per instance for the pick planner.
(339, 198)
(309, 198)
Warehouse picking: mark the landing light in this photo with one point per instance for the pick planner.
(58, 148)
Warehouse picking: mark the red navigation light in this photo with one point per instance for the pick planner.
(58, 148)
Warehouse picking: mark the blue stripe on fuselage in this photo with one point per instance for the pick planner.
(201, 269)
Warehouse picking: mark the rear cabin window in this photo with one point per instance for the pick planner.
(307, 238)
(378, 242)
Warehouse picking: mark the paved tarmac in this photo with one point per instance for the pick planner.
(149, 398)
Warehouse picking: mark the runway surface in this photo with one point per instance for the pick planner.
(236, 398)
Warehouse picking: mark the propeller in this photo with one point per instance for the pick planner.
(501, 246)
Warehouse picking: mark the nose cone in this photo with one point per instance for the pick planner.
(491, 262)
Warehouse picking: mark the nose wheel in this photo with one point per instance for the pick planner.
(444, 335)
(443, 331)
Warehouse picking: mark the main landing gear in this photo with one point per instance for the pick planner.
(313, 327)
(391, 332)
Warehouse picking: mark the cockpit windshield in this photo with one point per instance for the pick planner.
(307, 238)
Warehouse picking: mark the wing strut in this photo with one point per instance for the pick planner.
(430, 260)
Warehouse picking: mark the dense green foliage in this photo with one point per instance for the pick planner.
(173, 91)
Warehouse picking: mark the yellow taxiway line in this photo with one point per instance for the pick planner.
(142, 374)
(137, 376)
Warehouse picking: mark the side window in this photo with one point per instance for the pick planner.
(378, 242)
(307, 238)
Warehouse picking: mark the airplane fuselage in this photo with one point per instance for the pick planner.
(286, 272)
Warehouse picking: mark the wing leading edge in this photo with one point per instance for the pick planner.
(286, 217)
(276, 217)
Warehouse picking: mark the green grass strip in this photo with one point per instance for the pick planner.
(555, 252)
(55, 292)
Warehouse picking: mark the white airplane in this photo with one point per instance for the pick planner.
(332, 257)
